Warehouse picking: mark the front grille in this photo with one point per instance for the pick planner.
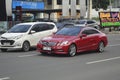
(48, 43)
(7, 41)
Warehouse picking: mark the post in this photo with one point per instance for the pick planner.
(82, 8)
(73, 8)
(65, 8)
(89, 5)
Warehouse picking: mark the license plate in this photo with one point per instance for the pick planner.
(46, 48)
(6, 44)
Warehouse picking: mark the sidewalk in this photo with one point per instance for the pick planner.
(112, 32)
(106, 31)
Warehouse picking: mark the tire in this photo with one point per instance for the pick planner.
(3, 50)
(43, 53)
(72, 50)
(26, 46)
(101, 47)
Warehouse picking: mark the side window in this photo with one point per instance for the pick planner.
(90, 31)
(90, 22)
(50, 26)
(42, 27)
(36, 28)
(94, 31)
(86, 32)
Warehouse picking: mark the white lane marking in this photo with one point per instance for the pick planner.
(103, 60)
(113, 45)
(5, 78)
(27, 55)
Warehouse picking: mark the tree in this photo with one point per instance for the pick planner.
(97, 4)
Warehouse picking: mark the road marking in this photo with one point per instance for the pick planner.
(36, 54)
(103, 60)
(27, 55)
(5, 78)
(113, 45)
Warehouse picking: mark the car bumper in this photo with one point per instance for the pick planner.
(9, 45)
(53, 49)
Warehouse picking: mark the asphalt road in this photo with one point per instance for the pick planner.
(17, 65)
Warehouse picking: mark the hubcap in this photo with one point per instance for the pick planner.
(101, 47)
(26, 46)
(72, 51)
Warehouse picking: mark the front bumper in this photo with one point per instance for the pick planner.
(10, 44)
(53, 50)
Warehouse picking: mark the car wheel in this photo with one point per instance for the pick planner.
(72, 50)
(101, 47)
(26, 46)
(3, 50)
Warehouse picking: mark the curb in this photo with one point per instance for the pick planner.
(112, 32)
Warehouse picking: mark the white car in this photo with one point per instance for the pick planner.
(26, 35)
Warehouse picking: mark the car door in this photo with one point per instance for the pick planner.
(83, 41)
(33, 35)
(87, 42)
(41, 30)
(94, 37)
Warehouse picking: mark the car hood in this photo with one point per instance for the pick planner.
(11, 35)
(58, 38)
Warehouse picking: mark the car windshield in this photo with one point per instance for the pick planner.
(19, 29)
(70, 31)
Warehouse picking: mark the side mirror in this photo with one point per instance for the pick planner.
(83, 35)
(31, 32)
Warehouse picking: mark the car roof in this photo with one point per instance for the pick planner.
(32, 23)
(74, 25)
(86, 20)
(86, 27)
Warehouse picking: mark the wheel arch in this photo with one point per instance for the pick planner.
(103, 42)
(26, 41)
(73, 43)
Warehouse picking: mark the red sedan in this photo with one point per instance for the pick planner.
(73, 39)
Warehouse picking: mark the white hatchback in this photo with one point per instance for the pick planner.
(26, 35)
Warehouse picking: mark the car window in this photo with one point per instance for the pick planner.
(71, 31)
(50, 26)
(36, 28)
(80, 22)
(42, 27)
(19, 29)
(90, 31)
(90, 22)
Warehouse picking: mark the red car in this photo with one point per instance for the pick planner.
(73, 39)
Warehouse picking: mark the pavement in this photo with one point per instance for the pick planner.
(18, 65)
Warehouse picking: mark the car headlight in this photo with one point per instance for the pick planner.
(63, 43)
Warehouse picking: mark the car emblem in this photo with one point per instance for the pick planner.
(46, 43)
